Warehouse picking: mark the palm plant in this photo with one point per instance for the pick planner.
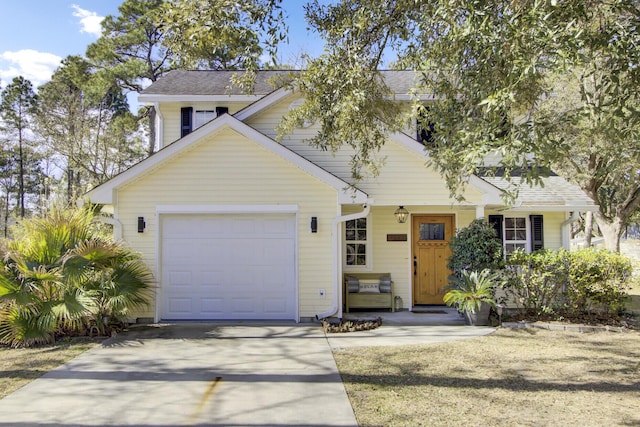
(473, 289)
(112, 278)
(58, 275)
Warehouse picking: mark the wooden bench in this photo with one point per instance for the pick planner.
(383, 299)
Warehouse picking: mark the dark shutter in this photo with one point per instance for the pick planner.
(496, 221)
(221, 110)
(537, 232)
(186, 116)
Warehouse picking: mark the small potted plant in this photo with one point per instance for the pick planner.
(473, 294)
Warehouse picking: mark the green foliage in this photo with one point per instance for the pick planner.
(476, 247)
(571, 284)
(85, 120)
(472, 290)
(59, 275)
(222, 34)
(489, 77)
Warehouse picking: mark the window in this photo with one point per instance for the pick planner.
(201, 117)
(356, 242)
(515, 234)
(191, 120)
(519, 232)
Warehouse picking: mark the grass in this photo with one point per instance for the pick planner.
(510, 378)
(19, 367)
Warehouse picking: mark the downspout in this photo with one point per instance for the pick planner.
(566, 236)
(337, 224)
(159, 142)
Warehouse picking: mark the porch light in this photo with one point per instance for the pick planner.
(401, 214)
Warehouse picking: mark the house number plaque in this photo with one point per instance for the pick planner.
(396, 237)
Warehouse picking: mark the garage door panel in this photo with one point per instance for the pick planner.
(228, 267)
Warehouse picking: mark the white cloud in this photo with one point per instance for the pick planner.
(89, 21)
(34, 66)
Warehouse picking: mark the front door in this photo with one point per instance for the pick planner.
(431, 252)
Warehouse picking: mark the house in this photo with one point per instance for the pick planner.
(238, 226)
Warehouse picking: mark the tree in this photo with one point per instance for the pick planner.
(486, 68)
(151, 37)
(87, 124)
(223, 34)
(130, 51)
(601, 149)
(16, 110)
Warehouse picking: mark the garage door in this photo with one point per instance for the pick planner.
(228, 267)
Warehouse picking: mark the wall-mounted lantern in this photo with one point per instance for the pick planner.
(141, 224)
(401, 214)
(314, 224)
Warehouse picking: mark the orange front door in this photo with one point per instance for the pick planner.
(431, 252)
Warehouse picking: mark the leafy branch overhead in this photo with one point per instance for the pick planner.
(482, 68)
(483, 72)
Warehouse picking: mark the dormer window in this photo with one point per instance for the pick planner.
(191, 120)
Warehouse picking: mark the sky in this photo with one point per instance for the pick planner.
(35, 35)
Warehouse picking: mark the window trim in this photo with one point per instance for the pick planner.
(368, 248)
(535, 230)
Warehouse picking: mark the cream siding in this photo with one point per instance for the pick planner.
(404, 178)
(232, 170)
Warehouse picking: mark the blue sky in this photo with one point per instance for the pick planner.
(35, 35)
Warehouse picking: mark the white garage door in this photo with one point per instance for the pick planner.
(228, 267)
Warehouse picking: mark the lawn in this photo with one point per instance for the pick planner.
(21, 366)
(510, 378)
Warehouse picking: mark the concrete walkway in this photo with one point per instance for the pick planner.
(207, 375)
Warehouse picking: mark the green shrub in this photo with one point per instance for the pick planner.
(476, 247)
(569, 284)
(59, 274)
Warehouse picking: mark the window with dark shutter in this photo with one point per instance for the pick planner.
(496, 221)
(186, 119)
(537, 232)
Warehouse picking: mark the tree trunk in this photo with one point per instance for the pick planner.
(611, 231)
(588, 228)
(21, 182)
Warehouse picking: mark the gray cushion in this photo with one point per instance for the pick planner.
(385, 284)
(353, 284)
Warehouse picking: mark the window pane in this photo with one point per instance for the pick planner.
(350, 235)
(351, 254)
(202, 117)
(521, 223)
(350, 225)
(361, 223)
(521, 235)
(361, 235)
(509, 234)
(361, 260)
(432, 231)
(509, 222)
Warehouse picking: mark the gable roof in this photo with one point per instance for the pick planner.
(104, 193)
(213, 84)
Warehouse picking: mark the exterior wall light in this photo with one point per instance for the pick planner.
(314, 224)
(141, 224)
(401, 214)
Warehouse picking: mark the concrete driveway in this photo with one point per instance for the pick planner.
(191, 375)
